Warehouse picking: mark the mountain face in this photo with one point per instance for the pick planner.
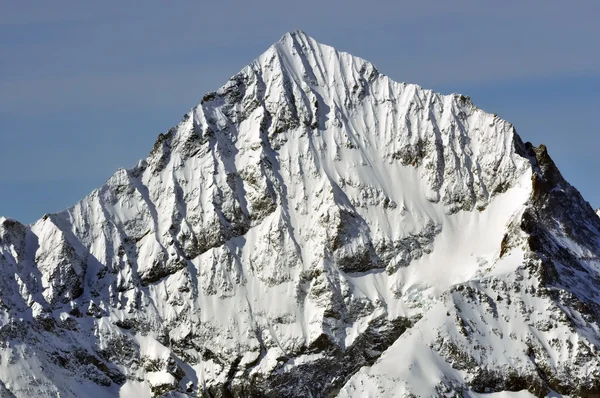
(312, 228)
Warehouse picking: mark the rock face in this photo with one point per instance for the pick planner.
(312, 228)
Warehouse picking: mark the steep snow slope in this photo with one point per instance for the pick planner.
(536, 328)
(302, 219)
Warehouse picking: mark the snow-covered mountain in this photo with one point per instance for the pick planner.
(312, 228)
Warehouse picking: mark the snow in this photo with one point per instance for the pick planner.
(310, 196)
(509, 394)
(135, 389)
(504, 394)
(160, 378)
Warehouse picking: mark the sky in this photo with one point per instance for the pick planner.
(86, 87)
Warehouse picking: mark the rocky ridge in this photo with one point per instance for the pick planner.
(312, 228)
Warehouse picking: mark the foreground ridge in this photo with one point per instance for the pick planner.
(312, 228)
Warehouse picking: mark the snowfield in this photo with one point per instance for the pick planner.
(312, 228)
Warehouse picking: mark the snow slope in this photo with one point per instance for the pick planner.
(312, 228)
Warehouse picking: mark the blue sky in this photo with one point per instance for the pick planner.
(86, 87)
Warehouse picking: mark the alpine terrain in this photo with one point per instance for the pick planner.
(312, 229)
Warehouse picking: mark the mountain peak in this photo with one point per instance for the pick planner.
(303, 58)
(297, 34)
(309, 219)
